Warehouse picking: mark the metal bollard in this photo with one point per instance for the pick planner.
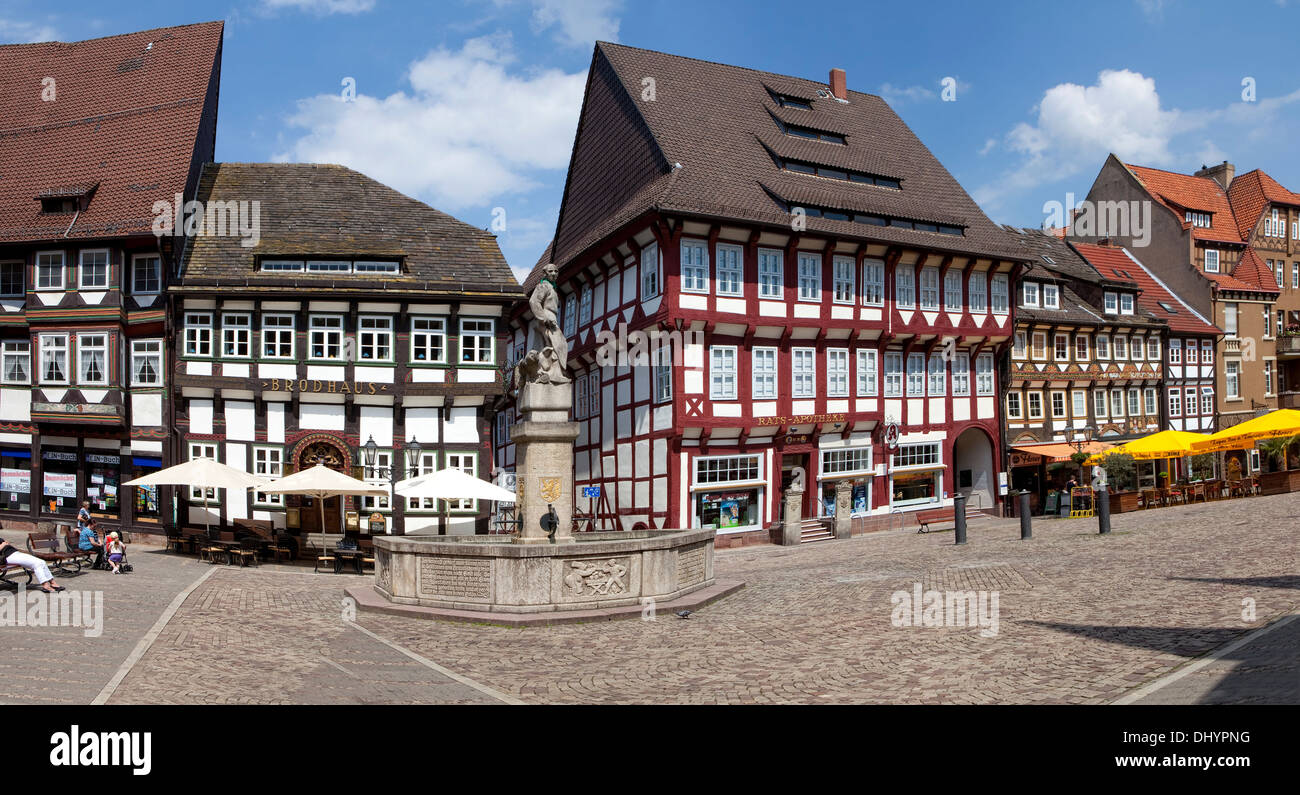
(1103, 511)
(1026, 521)
(959, 517)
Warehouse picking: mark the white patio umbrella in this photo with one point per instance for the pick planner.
(201, 473)
(320, 483)
(452, 484)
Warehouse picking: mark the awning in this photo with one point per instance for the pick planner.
(1055, 452)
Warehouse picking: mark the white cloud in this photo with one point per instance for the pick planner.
(989, 146)
(14, 31)
(321, 7)
(1077, 126)
(471, 130)
(896, 95)
(580, 23)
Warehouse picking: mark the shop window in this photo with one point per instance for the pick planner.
(146, 507)
(16, 480)
(103, 478)
(59, 482)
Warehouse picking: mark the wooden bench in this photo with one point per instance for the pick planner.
(324, 544)
(46, 547)
(9, 568)
(943, 515)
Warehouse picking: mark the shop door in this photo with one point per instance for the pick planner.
(311, 516)
(789, 463)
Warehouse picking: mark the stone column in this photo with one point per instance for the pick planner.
(843, 509)
(791, 524)
(544, 462)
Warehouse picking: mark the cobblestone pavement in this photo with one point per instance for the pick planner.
(1082, 619)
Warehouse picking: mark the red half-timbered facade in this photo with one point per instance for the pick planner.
(787, 287)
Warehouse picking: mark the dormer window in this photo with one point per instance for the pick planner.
(1198, 219)
(1126, 304)
(829, 172)
(281, 265)
(786, 101)
(1112, 303)
(1051, 297)
(1029, 294)
(811, 134)
(1211, 260)
(59, 204)
(329, 266)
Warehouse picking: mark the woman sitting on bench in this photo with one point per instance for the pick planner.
(12, 555)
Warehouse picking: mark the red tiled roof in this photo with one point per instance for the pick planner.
(1254, 273)
(1251, 193)
(1181, 192)
(1182, 318)
(125, 117)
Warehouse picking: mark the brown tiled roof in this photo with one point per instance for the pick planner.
(1069, 265)
(1251, 193)
(1182, 192)
(327, 211)
(125, 117)
(711, 119)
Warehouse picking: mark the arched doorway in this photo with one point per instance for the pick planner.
(972, 463)
(331, 454)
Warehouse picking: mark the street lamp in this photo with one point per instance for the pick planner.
(1082, 437)
(391, 473)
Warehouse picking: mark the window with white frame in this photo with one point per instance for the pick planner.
(1149, 401)
(1081, 347)
(977, 289)
(999, 293)
(92, 358)
(1230, 318)
(921, 454)
(1190, 347)
(1099, 402)
(277, 336)
(1268, 377)
(916, 375)
(17, 365)
(379, 475)
(1279, 269)
(1175, 351)
(146, 274)
(198, 334)
(845, 284)
(375, 338)
(49, 270)
(1061, 347)
(467, 463)
(1051, 297)
(326, 335)
(1117, 403)
(873, 282)
(1207, 400)
(1029, 294)
(893, 374)
(1034, 401)
(1153, 348)
(930, 288)
(584, 305)
(1040, 345)
(810, 277)
(146, 362)
(268, 462)
(663, 378)
(1079, 403)
(650, 268)
(1211, 260)
(428, 340)
(1020, 348)
(1103, 346)
(426, 465)
(593, 392)
(1135, 348)
(208, 451)
(93, 265)
(952, 290)
(1134, 403)
(1295, 276)
(771, 273)
(727, 469)
(984, 374)
(1126, 304)
(695, 266)
(938, 376)
(730, 270)
(1014, 410)
(1189, 400)
(570, 315)
(803, 372)
(866, 373)
(961, 374)
(905, 287)
(1175, 402)
(763, 373)
(580, 399)
(236, 335)
(1111, 303)
(1058, 404)
(722, 372)
(477, 341)
(1207, 352)
(837, 372)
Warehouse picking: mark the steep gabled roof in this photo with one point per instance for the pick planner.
(1251, 193)
(704, 139)
(1252, 272)
(119, 115)
(1157, 299)
(1182, 192)
(311, 211)
(1070, 267)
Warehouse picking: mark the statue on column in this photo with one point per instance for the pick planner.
(547, 357)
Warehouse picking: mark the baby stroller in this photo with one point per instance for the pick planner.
(116, 540)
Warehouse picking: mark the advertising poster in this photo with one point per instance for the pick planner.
(19, 480)
(61, 484)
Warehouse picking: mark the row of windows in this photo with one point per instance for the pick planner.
(330, 266)
(578, 311)
(1118, 347)
(857, 372)
(1279, 270)
(1275, 226)
(93, 273)
(91, 363)
(326, 339)
(1105, 403)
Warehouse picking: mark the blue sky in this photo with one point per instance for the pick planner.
(472, 106)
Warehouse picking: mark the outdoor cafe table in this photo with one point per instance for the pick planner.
(355, 555)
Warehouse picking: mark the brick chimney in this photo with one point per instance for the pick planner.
(1221, 173)
(839, 88)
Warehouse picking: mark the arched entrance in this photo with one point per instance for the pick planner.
(972, 462)
(332, 454)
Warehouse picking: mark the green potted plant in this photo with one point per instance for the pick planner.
(1121, 479)
(1283, 479)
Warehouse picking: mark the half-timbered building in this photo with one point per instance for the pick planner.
(97, 135)
(358, 315)
(769, 279)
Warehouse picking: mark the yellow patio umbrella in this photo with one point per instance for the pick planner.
(1165, 444)
(1274, 425)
